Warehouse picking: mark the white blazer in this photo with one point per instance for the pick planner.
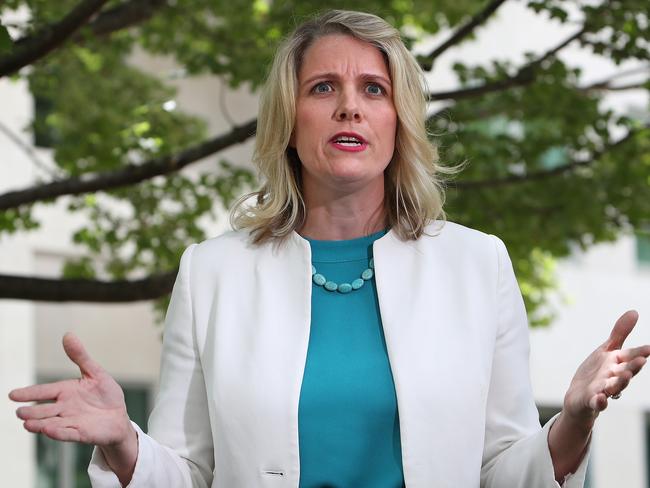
(234, 351)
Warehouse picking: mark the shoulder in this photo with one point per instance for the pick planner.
(231, 246)
(203, 264)
(236, 249)
(453, 230)
(448, 233)
(230, 241)
(461, 246)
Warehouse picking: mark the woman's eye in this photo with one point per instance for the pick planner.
(322, 88)
(374, 89)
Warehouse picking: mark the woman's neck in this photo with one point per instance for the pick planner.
(338, 217)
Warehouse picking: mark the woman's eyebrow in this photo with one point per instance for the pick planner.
(373, 77)
(335, 76)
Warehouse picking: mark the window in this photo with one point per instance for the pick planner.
(65, 464)
(546, 413)
(643, 247)
(45, 135)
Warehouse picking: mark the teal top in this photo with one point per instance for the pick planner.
(347, 418)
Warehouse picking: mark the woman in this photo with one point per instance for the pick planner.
(344, 335)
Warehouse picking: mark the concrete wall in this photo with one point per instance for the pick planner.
(16, 317)
(598, 287)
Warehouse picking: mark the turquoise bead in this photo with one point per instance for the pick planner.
(319, 279)
(331, 286)
(345, 288)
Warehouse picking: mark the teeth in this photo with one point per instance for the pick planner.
(348, 139)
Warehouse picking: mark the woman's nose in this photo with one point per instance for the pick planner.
(348, 108)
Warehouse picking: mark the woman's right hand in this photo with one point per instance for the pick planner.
(90, 409)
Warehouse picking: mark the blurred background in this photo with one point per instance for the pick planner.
(126, 131)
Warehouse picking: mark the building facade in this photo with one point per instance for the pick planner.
(597, 287)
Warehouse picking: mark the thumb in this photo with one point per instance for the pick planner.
(78, 355)
(621, 330)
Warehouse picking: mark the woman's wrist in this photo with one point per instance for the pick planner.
(567, 441)
(122, 456)
(577, 427)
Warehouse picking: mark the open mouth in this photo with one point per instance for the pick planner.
(348, 141)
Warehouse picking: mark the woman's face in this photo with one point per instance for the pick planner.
(345, 117)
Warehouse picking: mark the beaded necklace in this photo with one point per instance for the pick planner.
(366, 275)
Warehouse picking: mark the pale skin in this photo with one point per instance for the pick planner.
(89, 409)
(344, 85)
(607, 371)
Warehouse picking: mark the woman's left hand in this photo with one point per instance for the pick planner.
(605, 373)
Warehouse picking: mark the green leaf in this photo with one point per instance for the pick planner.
(5, 40)
(79, 268)
(103, 113)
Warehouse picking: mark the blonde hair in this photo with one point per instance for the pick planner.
(414, 193)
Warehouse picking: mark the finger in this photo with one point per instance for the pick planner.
(78, 355)
(55, 428)
(625, 355)
(37, 425)
(634, 366)
(617, 384)
(42, 411)
(67, 434)
(598, 402)
(37, 393)
(621, 330)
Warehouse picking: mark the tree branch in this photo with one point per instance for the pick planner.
(459, 34)
(630, 86)
(543, 174)
(123, 16)
(27, 149)
(83, 290)
(606, 84)
(524, 76)
(128, 175)
(31, 48)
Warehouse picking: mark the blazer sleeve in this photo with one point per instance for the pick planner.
(516, 452)
(178, 452)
